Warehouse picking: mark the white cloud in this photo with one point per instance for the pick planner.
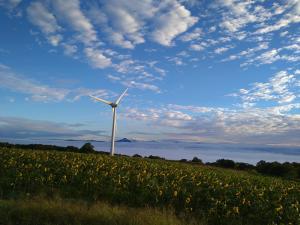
(273, 55)
(140, 70)
(178, 61)
(55, 39)
(10, 4)
(138, 74)
(261, 46)
(18, 127)
(177, 115)
(77, 93)
(194, 35)
(136, 114)
(160, 117)
(174, 20)
(127, 24)
(254, 122)
(241, 13)
(196, 109)
(293, 47)
(41, 92)
(232, 57)
(284, 33)
(289, 18)
(10, 80)
(125, 66)
(197, 47)
(270, 125)
(281, 88)
(210, 42)
(41, 17)
(212, 29)
(231, 26)
(113, 78)
(71, 13)
(221, 50)
(4, 67)
(69, 49)
(121, 21)
(268, 56)
(96, 58)
(141, 86)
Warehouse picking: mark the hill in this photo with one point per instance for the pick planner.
(124, 140)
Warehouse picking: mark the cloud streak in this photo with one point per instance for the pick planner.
(282, 87)
(40, 92)
(272, 125)
(16, 127)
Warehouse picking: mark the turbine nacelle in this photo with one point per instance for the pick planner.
(113, 105)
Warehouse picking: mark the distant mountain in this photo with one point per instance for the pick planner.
(124, 140)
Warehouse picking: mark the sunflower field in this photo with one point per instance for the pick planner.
(219, 196)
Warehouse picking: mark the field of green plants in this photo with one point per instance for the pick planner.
(220, 196)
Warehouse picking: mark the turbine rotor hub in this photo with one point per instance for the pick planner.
(113, 105)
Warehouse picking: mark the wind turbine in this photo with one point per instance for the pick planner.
(113, 105)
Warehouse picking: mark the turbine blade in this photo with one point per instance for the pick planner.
(121, 96)
(101, 100)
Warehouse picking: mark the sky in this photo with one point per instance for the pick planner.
(216, 71)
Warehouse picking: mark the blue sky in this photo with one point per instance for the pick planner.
(211, 71)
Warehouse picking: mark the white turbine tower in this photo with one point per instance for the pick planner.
(113, 105)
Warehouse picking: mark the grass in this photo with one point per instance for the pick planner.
(59, 211)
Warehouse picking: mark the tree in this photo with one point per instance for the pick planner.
(244, 166)
(225, 163)
(155, 157)
(197, 160)
(274, 168)
(87, 148)
(72, 149)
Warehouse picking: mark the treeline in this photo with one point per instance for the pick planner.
(86, 148)
(286, 170)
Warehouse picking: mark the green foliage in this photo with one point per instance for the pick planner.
(225, 163)
(288, 170)
(221, 196)
(87, 148)
(155, 157)
(197, 160)
(40, 147)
